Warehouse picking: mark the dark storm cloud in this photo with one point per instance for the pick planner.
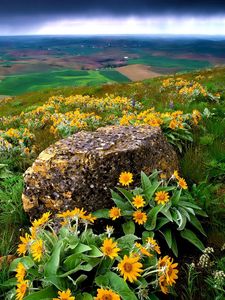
(112, 7)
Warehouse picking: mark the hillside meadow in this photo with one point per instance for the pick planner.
(164, 237)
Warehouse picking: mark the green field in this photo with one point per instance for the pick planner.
(18, 84)
(173, 63)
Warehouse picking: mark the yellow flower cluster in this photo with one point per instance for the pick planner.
(186, 88)
(167, 273)
(173, 120)
(22, 284)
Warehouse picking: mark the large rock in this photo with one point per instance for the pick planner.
(80, 170)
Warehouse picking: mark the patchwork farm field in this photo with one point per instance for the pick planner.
(20, 83)
(34, 63)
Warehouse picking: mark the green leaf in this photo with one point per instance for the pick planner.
(168, 236)
(127, 241)
(151, 190)
(192, 238)
(87, 296)
(181, 219)
(84, 296)
(167, 188)
(196, 223)
(161, 222)
(117, 284)
(145, 181)
(72, 261)
(57, 281)
(95, 252)
(9, 283)
(146, 234)
(152, 217)
(26, 261)
(120, 202)
(45, 294)
(102, 213)
(81, 248)
(174, 246)
(153, 297)
(129, 227)
(79, 280)
(127, 194)
(52, 264)
(167, 213)
(189, 204)
(176, 197)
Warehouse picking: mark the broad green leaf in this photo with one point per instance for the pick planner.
(95, 252)
(9, 283)
(151, 190)
(52, 264)
(25, 260)
(176, 197)
(167, 213)
(181, 220)
(154, 175)
(152, 217)
(127, 194)
(102, 213)
(79, 280)
(153, 297)
(196, 223)
(161, 221)
(168, 236)
(191, 210)
(145, 181)
(127, 241)
(84, 296)
(146, 234)
(174, 246)
(167, 188)
(116, 283)
(120, 202)
(189, 204)
(192, 238)
(81, 248)
(129, 227)
(45, 294)
(87, 296)
(59, 282)
(184, 212)
(72, 261)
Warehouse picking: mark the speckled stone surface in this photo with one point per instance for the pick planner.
(80, 170)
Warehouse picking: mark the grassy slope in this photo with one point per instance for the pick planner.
(214, 79)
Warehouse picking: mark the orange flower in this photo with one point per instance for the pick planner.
(162, 197)
(126, 178)
(109, 248)
(139, 217)
(130, 268)
(182, 183)
(104, 294)
(138, 201)
(114, 213)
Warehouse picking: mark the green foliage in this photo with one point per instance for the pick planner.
(174, 216)
(73, 258)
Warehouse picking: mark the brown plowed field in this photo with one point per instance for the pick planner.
(137, 72)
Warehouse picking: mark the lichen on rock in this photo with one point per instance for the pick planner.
(81, 169)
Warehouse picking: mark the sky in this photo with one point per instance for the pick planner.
(24, 17)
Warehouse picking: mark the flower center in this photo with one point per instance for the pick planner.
(127, 267)
(106, 297)
(139, 216)
(108, 250)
